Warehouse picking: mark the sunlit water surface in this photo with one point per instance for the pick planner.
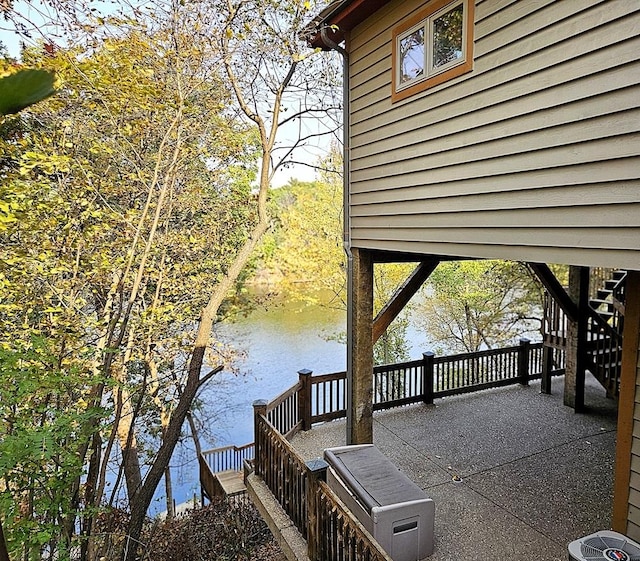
(276, 341)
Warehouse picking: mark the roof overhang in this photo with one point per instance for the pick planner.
(337, 19)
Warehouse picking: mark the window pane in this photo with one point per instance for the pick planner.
(447, 37)
(412, 55)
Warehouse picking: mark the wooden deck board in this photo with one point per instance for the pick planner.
(232, 482)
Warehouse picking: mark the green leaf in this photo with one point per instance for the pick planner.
(24, 88)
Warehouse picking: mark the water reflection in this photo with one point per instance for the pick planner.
(275, 341)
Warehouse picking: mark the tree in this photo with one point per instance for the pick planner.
(125, 197)
(39, 425)
(131, 213)
(305, 252)
(471, 305)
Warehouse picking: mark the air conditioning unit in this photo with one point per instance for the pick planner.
(604, 546)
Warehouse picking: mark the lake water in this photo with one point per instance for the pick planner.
(277, 340)
(274, 341)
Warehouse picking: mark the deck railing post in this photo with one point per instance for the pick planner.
(304, 398)
(316, 471)
(259, 410)
(547, 369)
(427, 376)
(523, 361)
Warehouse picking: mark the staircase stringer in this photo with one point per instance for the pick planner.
(605, 323)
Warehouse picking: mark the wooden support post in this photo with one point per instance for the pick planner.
(259, 409)
(523, 361)
(547, 369)
(576, 350)
(629, 374)
(317, 471)
(360, 350)
(427, 377)
(304, 398)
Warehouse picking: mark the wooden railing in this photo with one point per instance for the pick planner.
(280, 467)
(315, 399)
(209, 485)
(228, 457)
(618, 299)
(605, 351)
(423, 380)
(338, 534)
(554, 324)
(331, 531)
(604, 325)
(488, 369)
(284, 411)
(400, 384)
(217, 460)
(327, 398)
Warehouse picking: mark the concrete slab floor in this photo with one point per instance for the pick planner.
(535, 475)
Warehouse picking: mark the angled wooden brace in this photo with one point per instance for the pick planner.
(401, 297)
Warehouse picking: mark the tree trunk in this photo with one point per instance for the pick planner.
(86, 528)
(142, 499)
(171, 511)
(144, 496)
(4, 554)
(129, 444)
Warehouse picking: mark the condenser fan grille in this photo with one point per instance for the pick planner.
(605, 546)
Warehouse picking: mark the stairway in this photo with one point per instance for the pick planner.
(222, 471)
(604, 330)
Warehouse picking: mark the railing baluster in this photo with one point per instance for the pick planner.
(285, 473)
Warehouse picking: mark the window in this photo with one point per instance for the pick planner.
(433, 46)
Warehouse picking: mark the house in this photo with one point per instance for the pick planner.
(497, 129)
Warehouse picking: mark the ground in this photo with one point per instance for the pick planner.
(224, 530)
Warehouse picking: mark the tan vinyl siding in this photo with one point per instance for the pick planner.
(633, 517)
(633, 531)
(534, 155)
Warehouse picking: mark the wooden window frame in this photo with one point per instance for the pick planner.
(428, 81)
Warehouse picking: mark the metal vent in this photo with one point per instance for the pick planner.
(604, 546)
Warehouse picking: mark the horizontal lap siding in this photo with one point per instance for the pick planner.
(633, 528)
(534, 155)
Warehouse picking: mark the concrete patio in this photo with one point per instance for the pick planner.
(534, 475)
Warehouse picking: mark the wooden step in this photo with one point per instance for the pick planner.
(596, 303)
(605, 314)
(603, 293)
(232, 482)
(610, 284)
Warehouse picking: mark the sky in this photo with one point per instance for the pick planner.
(41, 25)
(41, 17)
